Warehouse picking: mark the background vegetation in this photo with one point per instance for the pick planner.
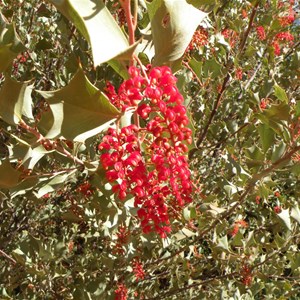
(65, 234)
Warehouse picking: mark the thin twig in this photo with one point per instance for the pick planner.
(225, 82)
(7, 257)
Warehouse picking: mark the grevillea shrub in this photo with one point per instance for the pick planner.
(149, 149)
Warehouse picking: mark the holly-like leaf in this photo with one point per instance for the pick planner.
(173, 24)
(10, 44)
(9, 177)
(295, 213)
(266, 136)
(78, 111)
(15, 101)
(205, 5)
(285, 217)
(98, 26)
(280, 93)
(223, 242)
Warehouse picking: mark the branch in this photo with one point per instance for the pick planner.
(225, 82)
(8, 257)
(48, 143)
(246, 34)
(131, 20)
(185, 288)
(251, 184)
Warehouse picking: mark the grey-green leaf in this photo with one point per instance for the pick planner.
(10, 44)
(78, 111)
(285, 217)
(9, 177)
(98, 26)
(173, 24)
(15, 101)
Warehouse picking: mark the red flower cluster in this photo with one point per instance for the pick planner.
(261, 33)
(289, 18)
(85, 189)
(237, 225)
(158, 176)
(200, 39)
(122, 239)
(284, 37)
(246, 274)
(231, 35)
(281, 37)
(138, 270)
(121, 292)
(239, 74)
(129, 92)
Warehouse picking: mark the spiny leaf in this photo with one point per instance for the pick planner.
(9, 177)
(15, 101)
(98, 26)
(173, 24)
(285, 217)
(280, 94)
(295, 213)
(205, 5)
(78, 111)
(10, 44)
(266, 136)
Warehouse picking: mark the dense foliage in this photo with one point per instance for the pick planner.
(149, 149)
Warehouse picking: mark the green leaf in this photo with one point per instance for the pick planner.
(53, 183)
(69, 216)
(277, 112)
(19, 256)
(223, 242)
(173, 24)
(278, 151)
(285, 217)
(266, 136)
(9, 177)
(10, 44)
(98, 26)
(280, 94)
(211, 68)
(15, 101)
(78, 111)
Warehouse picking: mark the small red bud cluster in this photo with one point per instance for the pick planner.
(246, 274)
(158, 176)
(281, 38)
(85, 189)
(239, 74)
(237, 225)
(231, 35)
(199, 39)
(289, 17)
(121, 292)
(138, 270)
(261, 33)
(122, 239)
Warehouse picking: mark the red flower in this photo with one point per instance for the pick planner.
(121, 292)
(138, 270)
(157, 176)
(239, 74)
(261, 33)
